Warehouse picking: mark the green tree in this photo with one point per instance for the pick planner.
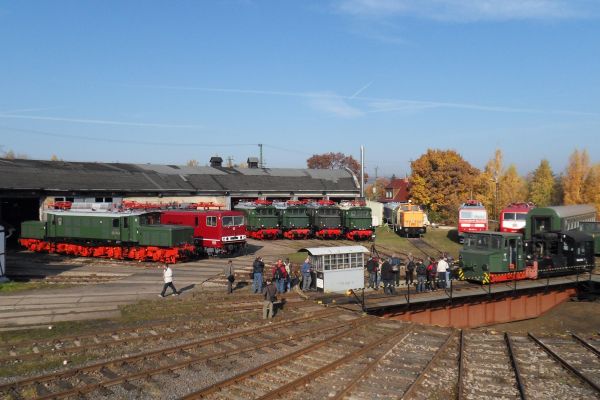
(541, 185)
(441, 180)
(574, 178)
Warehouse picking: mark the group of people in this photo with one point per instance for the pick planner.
(431, 274)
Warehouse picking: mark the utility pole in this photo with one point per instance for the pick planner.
(260, 156)
(376, 168)
(362, 172)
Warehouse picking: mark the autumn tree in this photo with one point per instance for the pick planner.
(512, 188)
(542, 185)
(591, 189)
(376, 190)
(441, 180)
(490, 183)
(55, 158)
(574, 178)
(11, 155)
(334, 161)
(192, 163)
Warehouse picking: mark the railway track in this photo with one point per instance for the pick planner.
(425, 248)
(120, 377)
(139, 337)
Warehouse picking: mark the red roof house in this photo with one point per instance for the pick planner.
(396, 191)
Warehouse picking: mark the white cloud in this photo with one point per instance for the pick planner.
(470, 10)
(332, 104)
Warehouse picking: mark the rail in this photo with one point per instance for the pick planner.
(515, 365)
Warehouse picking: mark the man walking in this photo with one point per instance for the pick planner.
(372, 270)
(306, 278)
(258, 268)
(229, 271)
(168, 278)
(270, 296)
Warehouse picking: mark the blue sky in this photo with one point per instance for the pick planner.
(166, 82)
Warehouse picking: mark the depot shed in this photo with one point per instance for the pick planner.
(338, 268)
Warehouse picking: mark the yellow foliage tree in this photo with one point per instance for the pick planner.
(192, 163)
(591, 189)
(512, 188)
(440, 181)
(574, 178)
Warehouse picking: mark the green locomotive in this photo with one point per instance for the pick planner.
(357, 223)
(262, 221)
(121, 235)
(552, 245)
(293, 220)
(325, 219)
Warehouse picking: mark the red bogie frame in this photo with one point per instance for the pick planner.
(328, 233)
(356, 235)
(295, 234)
(265, 234)
(169, 255)
(210, 232)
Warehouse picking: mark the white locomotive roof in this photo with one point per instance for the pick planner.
(319, 251)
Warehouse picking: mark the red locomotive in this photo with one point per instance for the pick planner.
(514, 216)
(218, 232)
(472, 217)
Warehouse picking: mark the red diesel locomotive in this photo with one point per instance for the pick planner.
(216, 231)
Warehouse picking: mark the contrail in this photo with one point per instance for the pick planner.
(100, 122)
(405, 102)
(359, 91)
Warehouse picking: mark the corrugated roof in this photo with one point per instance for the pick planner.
(119, 177)
(319, 251)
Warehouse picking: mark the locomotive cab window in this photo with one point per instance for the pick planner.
(211, 221)
(115, 222)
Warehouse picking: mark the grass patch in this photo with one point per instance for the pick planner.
(11, 287)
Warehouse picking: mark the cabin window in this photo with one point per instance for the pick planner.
(509, 216)
(211, 221)
(495, 242)
(115, 222)
(389, 194)
(233, 220)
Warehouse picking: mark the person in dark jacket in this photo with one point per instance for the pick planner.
(431, 274)
(387, 275)
(229, 272)
(280, 276)
(372, 270)
(270, 297)
(258, 268)
(410, 268)
(421, 276)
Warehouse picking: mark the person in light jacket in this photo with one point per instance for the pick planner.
(168, 278)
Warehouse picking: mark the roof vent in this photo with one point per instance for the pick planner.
(216, 161)
(252, 162)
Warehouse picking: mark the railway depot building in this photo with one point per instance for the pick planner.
(28, 186)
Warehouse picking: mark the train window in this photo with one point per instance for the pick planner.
(211, 221)
(496, 242)
(521, 217)
(115, 222)
(509, 216)
(482, 241)
(238, 220)
(227, 221)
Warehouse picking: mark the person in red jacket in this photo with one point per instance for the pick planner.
(280, 276)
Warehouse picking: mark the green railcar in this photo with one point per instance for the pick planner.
(33, 229)
(326, 221)
(558, 219)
